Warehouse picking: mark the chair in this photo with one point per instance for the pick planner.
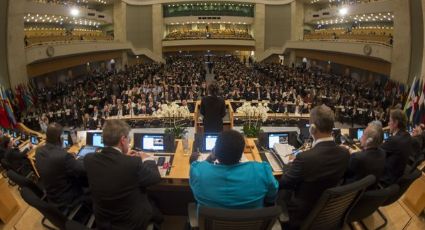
(404, 183)
(220, 218)
(369, 203)
(50, 212)
(332, 209)
(22, 181)
(416, 161)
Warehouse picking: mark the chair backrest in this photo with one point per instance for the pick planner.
(5, 164)
(47, 210)
(370, 201)
(332, 209)
(22, 181)
(404, 183)
(246, 219)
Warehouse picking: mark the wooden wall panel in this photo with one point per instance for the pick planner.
(48, 66)
(370, 64)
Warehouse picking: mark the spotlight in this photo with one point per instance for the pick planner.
(74, 12)
(343, 11)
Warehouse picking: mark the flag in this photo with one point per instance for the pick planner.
(9, 111)
(4, 122)
(6, 108)
(408, 107)
(19, 98)
(28, 99)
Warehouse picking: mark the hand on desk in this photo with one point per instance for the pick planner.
(144, 156)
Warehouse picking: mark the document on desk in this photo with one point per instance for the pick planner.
(284, 151)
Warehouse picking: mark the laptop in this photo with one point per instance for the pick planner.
(66, 139)
(88, 149)
(24, 136)
(15, 134)
(360, 132)
(152, 143)
(208, 142)
(94, 139)
(386, 136)
(277, 138)
(34, 140)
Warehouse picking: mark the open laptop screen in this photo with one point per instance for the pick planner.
(86, 150)
(209, 141)
(153, 142)
(277, 138)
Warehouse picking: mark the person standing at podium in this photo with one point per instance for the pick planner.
(213, 109)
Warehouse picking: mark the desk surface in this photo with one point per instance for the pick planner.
(180, 167)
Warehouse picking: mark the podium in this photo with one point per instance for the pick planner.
(198, 118)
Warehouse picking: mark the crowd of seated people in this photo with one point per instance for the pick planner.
(63, 2)
(210, 34)
(34, 36)
(382, 35)
(141, 89)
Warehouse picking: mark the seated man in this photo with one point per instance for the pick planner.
(61, 174)
(315, 170)
(118, 180)
(228, 183)
(398, 148)
(17, 160)
(369, 161)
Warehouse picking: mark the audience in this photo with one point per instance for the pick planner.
(242, 34)
(315, 170)
(224, 181)
(398, 148)
(370, 161)
(61, 174)
(141, 89)
(118, 179)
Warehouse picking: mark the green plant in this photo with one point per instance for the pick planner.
(251, 130)
(177, 131)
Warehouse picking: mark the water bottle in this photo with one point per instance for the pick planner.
(185, 144)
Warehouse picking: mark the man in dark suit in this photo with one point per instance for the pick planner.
(61, 174)
(398, 148)
(213, 109)
(315, 170)
(118, 180)
(369, 161)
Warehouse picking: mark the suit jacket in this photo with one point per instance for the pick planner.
(60, 174)
(398, 148)
(17, 160)
(213, 109)
(117, 183)
(364, 163)
(312, 172)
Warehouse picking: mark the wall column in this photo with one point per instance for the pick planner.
(120, 25)
(4, 72)
(400, 63)
(259, 28)
(157, 29)
(16, 57)
(297, 20)
(423, 51)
